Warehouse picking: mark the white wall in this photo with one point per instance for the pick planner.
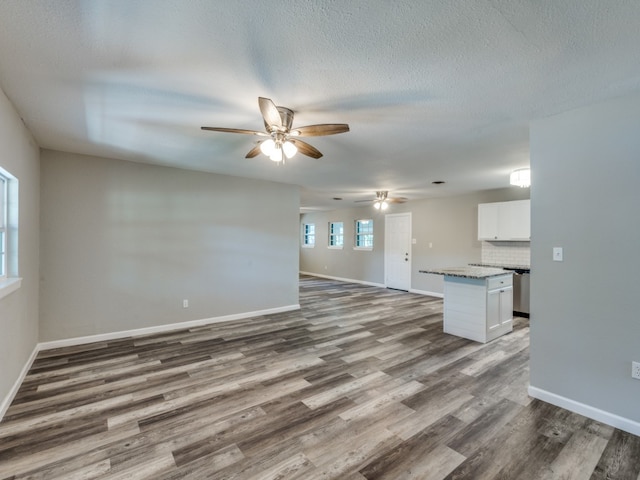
(19, 155)
(585, 196)
(123, 244)
(449, 224)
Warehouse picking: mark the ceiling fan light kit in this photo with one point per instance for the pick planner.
(275, 150)
(282, 144)
(380, 205)
(289, 149)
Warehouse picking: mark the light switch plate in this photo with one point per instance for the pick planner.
(557, 254)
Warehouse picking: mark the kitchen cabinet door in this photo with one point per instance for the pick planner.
(493, 310)
(488, 218)
(499, 311)
(515, 220)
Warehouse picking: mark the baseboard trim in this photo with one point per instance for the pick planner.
(4, 405)
(426, 292)
(349, 280)
(70, 342)
(611, 419)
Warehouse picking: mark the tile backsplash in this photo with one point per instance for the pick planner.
(507, 253)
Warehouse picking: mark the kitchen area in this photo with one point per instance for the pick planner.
(481, 299)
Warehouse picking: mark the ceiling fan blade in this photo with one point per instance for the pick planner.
(254, 152)
(363, 201)
(319, 130)
(306, 149)
(236, 130)
(270, 112)
(397, 200)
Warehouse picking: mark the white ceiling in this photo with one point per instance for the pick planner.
(432, 90)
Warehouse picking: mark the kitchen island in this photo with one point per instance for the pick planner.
(521, 282)
(478, 301)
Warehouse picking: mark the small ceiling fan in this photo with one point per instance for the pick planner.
(282, 141)
(382, 200)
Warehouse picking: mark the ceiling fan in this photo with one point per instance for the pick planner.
(282, 141)
(382, 200)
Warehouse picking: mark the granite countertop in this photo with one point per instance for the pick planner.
(468, 272)
(506, 266)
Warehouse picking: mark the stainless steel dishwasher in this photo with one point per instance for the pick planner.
(521, 292)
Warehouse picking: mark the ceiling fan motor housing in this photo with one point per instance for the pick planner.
(286, 115)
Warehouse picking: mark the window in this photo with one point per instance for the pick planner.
(3, 226)
(308, 235)
(364, 234)
(336, 235)
(9, 280)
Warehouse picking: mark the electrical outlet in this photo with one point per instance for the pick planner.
(185, 303)
(635, 370)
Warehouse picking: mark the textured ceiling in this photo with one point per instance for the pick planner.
(432, 90)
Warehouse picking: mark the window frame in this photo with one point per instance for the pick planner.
(307, 235)
(336, 240)
(4, 230)
(358, 234)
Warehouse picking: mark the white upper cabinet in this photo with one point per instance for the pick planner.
(506, 221)
(488, 221)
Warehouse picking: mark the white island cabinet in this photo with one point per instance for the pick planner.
(478, 302)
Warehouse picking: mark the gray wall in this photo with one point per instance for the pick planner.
(19, 155)
(450, 224)
(345, 263)
(123, 244)
(585, 329)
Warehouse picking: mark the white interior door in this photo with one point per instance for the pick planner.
(397, 250)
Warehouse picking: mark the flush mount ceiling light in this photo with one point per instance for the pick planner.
(521, 177)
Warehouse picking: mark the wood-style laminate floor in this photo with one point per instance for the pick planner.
(360, 383)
